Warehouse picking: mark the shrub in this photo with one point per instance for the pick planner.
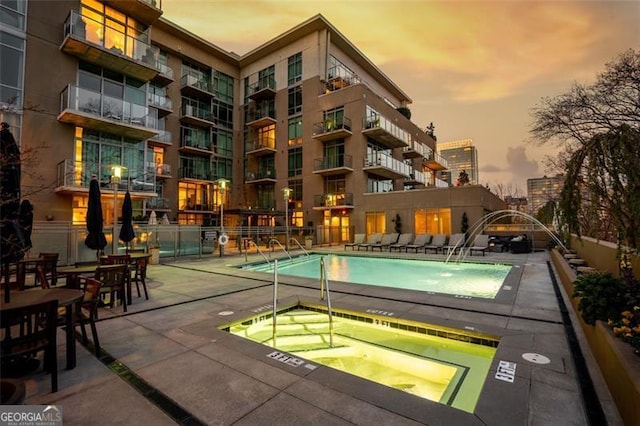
(627, 327)
(602, 296)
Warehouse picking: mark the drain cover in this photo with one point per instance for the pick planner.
(225, 313)
(536, 358)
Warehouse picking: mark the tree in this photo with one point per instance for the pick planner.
(598, 126)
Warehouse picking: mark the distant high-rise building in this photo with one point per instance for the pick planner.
(542, 190)
(460, 155)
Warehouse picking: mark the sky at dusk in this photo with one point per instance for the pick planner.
(473, 68)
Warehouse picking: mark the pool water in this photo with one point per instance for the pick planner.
(450, 370)
(466, 279)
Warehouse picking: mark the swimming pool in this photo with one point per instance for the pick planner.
(466, 279)
(443, 365)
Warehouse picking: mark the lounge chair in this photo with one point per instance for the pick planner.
(437, 243)
(403, 241)
(371, 240)
(387, 240)
(456, 242)
(357, 240)
(419, 243)
(480, 244)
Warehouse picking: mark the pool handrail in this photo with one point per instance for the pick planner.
(275, 300)
(259, 251)
(324, 283)
(281, 246)
(299, 245)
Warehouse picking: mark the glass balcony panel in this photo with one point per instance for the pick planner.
(75, 176)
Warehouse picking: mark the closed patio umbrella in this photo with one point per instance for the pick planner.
(127, 232)
(95, 238)
(11, 236)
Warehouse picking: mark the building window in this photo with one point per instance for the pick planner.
(335, 185)
(375, 222)
(295, 162)
(223, 87)
(379, 185)
(295, 131)
(193, 167)
(222, 142)
(222, 113)
(294, 69)
(297, 218)
(295, 100)
(432, 221)
(12, 54)
(111, 29)
(12, 13)
(221, 168)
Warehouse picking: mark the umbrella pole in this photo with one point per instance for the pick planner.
(7, 290)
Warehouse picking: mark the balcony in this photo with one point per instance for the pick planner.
(93, 110)
(144, 11)
(261, 117)
(382, 130)
(198, 207)
(197, 116)
(158, 203)
(265, 88)
(436, 162)
(332, 129)
(162, 139)
(258, 147)
(386, 166)
(196, 87)
(260, 175)
(415, 178)
(415, 150)
(196, 145)
(196, 174)
(161, 103)
(334, 165)
(74, 178)
(93, 42)
(162, 171)
(330, 201)
(165, 76)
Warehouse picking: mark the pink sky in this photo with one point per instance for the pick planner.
(473, 68)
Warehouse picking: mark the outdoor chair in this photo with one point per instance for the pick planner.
(114, 282)
(371, 240)
(387, 240)
(419, 243)
(437, 243)
(49, 261)
(402, 242)
(480, 244)
(28, 330)
(140, 275)
(90, 301)
(456, 242)
(357, 240)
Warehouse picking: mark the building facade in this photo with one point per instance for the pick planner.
(542, 190)
(304, 125)
(460, 156)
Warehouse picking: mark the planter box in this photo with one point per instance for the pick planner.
(620, 367)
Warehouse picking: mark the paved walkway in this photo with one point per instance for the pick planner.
(165, 361)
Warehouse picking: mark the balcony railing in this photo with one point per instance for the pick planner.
(415, 150)
(189, 173)
(383, 130)
(332, 129)
(162, 138)
(264, 88)
(196, 86)
(196, 115)
(260, 117)
(158, 203)
(75, 176)
(159, 101)
(161, 170)
(262, 173)
(387, 166)
(263, 144)
(197, 141)
(436, 162)
(333, 200)
(337, 163)
(165, 75)
(95, 42)
(95, 110)
(415, 178)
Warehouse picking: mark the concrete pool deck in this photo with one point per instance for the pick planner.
(165, 362)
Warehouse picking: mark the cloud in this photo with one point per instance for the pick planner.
(518, 163)
(491, 168)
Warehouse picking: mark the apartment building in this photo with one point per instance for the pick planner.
(460, 155)
(304, 125)
(542, 190)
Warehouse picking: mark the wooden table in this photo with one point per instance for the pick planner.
(133, 257)
(69, 298)
(73, 272)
